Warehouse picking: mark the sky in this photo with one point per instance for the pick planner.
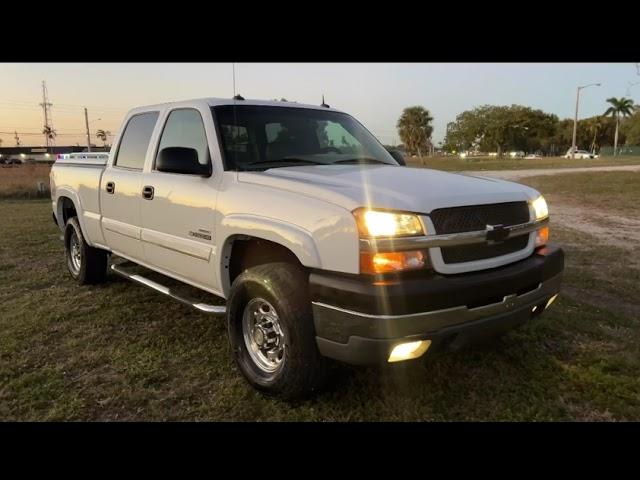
(374, 93)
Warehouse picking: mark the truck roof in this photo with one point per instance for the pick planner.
(213, 101)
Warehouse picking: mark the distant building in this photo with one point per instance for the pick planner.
(41, 154)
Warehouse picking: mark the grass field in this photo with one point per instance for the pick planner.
(21, 181)
(613, 191)
(492, 163)
(120, 352)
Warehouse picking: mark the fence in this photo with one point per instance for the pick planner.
(633, 150)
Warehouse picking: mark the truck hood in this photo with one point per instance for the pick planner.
(386, 186)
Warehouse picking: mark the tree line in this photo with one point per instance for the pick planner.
(499, 129)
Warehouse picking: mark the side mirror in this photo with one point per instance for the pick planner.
(398, 156)
(181, 160)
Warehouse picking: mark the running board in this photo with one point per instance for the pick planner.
(139, 279)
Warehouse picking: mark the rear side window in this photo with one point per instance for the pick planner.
(184, 128)
(135, 140)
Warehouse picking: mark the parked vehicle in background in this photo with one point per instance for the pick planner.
(533, 156)
(581, 154)
(321, 243)
(518, 154)
(12, 161)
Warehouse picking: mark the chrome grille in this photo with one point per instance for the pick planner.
(475, 218)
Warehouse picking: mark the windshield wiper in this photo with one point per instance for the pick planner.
(362, 160)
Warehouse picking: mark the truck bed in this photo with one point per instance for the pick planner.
(79, 177)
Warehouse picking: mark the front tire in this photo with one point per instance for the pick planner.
(271, 331)
(87, 265)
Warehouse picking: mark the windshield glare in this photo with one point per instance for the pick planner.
(256, 137)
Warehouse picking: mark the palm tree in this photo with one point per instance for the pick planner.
(595, 126)
(103, 135)
(619, 106)
(415, 129)
(49, 133)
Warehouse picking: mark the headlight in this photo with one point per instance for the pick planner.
(376, 223)
(540, 208)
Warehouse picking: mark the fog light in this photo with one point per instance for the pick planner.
(409, 350)
(551, 300)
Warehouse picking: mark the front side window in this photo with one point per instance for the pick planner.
(184, 128)
(135, 141)
(256, 137)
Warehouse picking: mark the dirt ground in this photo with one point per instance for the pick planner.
(610, 228)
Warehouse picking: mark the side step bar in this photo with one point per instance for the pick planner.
(139, 279)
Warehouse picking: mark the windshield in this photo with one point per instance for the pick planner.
(256, 137)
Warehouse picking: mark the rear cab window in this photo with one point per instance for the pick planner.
(132, 149)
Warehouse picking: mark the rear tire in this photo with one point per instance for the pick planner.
(271, 331)
(87, 265)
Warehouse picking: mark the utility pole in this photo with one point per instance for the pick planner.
(48, 124)
(17, 138)
(575, 126)
(575, 118)
(86, 121)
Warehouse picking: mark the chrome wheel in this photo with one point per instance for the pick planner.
(75, 254)
(263, 335)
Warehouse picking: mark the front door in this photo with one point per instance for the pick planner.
(120, 189)
(178, 211)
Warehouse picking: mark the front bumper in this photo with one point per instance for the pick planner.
(360, 321)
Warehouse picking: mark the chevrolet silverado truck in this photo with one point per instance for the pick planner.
(321, 243)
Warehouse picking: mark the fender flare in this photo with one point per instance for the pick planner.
(298, 240)
(75, 199)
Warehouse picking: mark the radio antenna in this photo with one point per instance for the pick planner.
(235, 97)
(233, 69)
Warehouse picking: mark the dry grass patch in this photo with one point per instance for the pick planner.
(21, 181)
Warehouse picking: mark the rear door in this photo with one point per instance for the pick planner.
(178, 217)
(120, 189)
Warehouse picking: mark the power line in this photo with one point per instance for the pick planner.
(64, 105)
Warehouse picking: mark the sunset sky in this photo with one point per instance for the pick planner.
(374, 93)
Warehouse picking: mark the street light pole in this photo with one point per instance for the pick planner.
(575, 118)
(86, 121)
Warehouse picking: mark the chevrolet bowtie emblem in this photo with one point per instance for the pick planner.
(497, 233)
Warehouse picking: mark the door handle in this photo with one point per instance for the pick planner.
(147, 192)
(111, 187)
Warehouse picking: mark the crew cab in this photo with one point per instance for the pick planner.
(320, 243)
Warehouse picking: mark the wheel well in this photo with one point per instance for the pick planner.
(68, 209)
(250, 252)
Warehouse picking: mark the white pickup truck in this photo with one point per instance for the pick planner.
(323, 244)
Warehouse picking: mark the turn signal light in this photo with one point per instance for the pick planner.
(391, 261)
(542, 236)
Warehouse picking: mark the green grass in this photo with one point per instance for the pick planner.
(492, 163)
(120, 352)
